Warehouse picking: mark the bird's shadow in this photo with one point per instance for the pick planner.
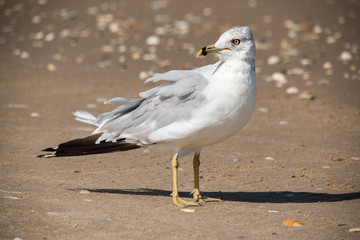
(253, 197)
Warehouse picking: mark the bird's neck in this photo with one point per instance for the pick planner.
(243, 65)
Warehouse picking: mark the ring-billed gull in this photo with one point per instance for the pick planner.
(195, 108)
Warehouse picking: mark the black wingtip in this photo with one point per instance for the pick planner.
(49, 155)
(50, 149)
(87, 146)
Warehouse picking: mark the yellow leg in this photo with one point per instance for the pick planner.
(175, 194)
(196, 191)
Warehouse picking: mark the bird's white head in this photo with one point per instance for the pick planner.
(234, 43)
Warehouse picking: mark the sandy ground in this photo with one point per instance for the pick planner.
(296, 159)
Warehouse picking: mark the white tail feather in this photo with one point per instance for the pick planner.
(85, 117)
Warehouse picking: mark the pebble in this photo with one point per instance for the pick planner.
(16, 192)
(52, 213)
(107, 48)
(17, 105)
(51, 67)
(101, 99)
(122, 48)
(149, 56)
(182, 27)
(273, 211)
(92, 10)
(58, 57)
(273, 59)
(38, 35)
(136, 55)
(306, 75)
(34, 114)
(143, 75)
(24, 55)
(309, 83)
(114, 27)
(90, 105)
(84, 191)
(236, 160)
(36, 19)
(317, 29)
(283, 123)
(279, 78)
(42, 2)
(67, 14)
(13, 198)
(38, 44)
(189, 210)
(17, 52)
(345, 56)
(153, 40)
(252, 3)
(323, 81)
(354, 230)
(87, 200)
(64, 33)
(17, 238)
(330, 39)
(80, 59)
(293, 223)
(270, 159)
(355, 77)
(158, 4)
(327, 65)
(355, 158)
(306, 95)
(296, 71)
(263, 109)
(338, 35)
(306, 62)
(267, 19)
(353, 67)
(160, 30)
(122, 59)
(49, 37)
(292, 90)
(341, 19)
(104, 63)
(207, 11)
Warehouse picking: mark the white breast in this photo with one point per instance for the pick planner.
(230, 102)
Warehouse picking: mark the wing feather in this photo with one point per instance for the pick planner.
(160, 106)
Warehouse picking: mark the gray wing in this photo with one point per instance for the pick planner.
(137, 118)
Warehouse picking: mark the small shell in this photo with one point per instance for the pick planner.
(190, 210)
(292, 223)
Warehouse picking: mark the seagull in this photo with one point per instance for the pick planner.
(193, 109)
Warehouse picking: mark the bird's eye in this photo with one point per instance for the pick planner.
(236, 41)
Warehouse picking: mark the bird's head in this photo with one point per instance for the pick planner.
(237, 42)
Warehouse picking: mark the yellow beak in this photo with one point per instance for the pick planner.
(210, 49)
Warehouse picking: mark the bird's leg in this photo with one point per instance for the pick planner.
(175, 194)
(196, 191)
